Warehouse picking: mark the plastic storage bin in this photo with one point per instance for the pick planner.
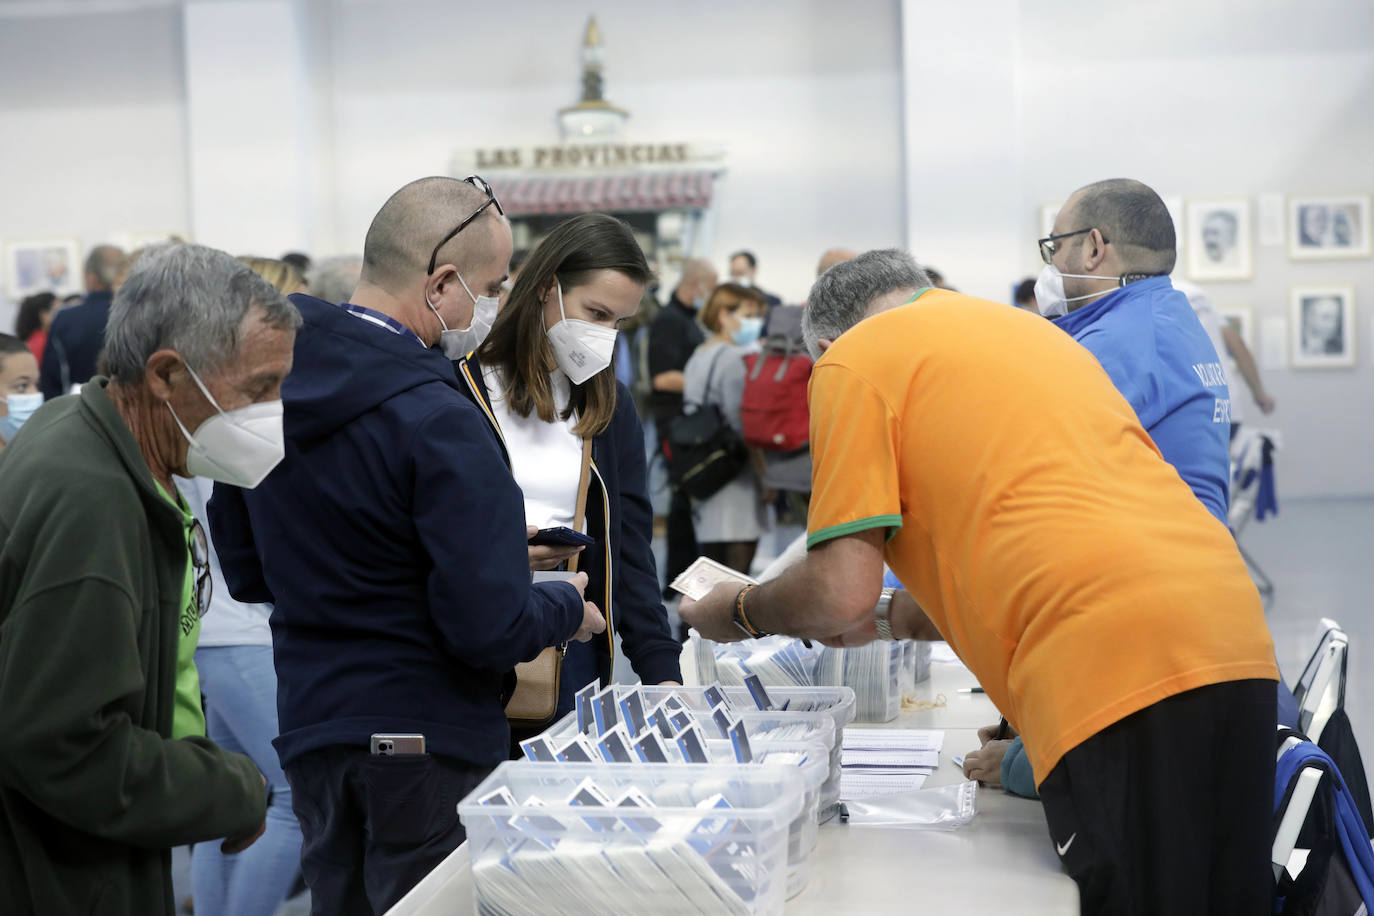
(802, 831)
(765, 727)
(539, 854)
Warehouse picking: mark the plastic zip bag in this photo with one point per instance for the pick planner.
(940, 808)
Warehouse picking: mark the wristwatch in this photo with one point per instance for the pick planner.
(882, 614)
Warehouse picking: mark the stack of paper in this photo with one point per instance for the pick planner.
(882, 761)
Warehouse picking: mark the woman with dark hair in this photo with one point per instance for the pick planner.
(31, 326)
(544, 379)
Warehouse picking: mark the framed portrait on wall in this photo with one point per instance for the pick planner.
(1219, 243)
(1242, 321)
(1328, 227)
(43, 265)
(1323, 322)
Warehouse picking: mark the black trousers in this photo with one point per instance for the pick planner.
(1170, 810)
(682, 534)
(372, 826)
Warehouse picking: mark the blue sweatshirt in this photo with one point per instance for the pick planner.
(391, 540)
(1151, 343)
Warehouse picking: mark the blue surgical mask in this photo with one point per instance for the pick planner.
(748, 331)
(20, 407)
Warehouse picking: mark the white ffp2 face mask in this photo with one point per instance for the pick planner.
(456, 344)
(1049, 291)
(238, 447)
(582, 349)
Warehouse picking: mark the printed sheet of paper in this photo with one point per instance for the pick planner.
(705, 574)
(905, 739)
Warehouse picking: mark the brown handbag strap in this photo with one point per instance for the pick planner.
(583, 484)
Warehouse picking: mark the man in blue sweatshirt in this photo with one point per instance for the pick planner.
(391, 540)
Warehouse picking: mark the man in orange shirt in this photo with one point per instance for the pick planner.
(990, 461)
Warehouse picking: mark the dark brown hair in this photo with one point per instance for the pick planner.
(724, 296)
(518, 345)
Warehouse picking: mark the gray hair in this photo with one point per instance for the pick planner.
(191, 299)
(335, 279)
(841, 297)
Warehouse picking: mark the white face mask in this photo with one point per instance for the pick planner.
(238, 447)
(1049, 291)
(457, 344)
(581, 348)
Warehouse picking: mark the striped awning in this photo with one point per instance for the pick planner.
(623, 192)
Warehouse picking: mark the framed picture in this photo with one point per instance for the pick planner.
(1323, 321)
(1219, 245)
(1242, 321)
(1328, 227)
(43, 265)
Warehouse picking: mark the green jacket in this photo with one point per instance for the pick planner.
(93, 791)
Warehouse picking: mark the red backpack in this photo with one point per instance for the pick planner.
(774, 412)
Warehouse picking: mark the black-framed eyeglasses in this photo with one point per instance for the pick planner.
(200, 562)
(480, 183)
(1048, 248)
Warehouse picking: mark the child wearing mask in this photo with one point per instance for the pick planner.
(19, 394)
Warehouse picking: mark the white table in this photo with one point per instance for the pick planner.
(1004, 860)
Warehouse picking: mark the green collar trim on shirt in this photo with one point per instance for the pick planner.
(919, 293)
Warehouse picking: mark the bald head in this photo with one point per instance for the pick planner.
(698, 280)
(104, 265)
(834, 256)
(413, 220)
(1130, 216)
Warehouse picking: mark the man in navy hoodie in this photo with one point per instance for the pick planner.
(77, 334)
(391, 540)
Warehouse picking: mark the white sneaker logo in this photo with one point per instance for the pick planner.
(1067, 843)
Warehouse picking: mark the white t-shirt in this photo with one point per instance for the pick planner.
(1211, 323)
(228, 622)
(546, 458)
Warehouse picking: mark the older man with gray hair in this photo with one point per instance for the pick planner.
(990, 461)
(103, 578)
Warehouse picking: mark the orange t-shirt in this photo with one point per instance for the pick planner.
(1030, 515)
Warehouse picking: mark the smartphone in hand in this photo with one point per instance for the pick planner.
(561, 537)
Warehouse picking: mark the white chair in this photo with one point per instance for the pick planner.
(1294, 816)
(1320, 689)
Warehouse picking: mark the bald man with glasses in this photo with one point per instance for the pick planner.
(391, 541)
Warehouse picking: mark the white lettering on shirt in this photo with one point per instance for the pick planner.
(1210, 374)
(1221, 412)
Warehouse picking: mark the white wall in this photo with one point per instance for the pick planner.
(92, 114)
(805, 95)
(1198, 100)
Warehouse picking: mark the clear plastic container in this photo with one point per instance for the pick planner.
(540, 854)
(765, 728)
(811, 759)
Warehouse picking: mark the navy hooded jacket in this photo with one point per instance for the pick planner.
(75, 340)
(622, 579)
(391, 540)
